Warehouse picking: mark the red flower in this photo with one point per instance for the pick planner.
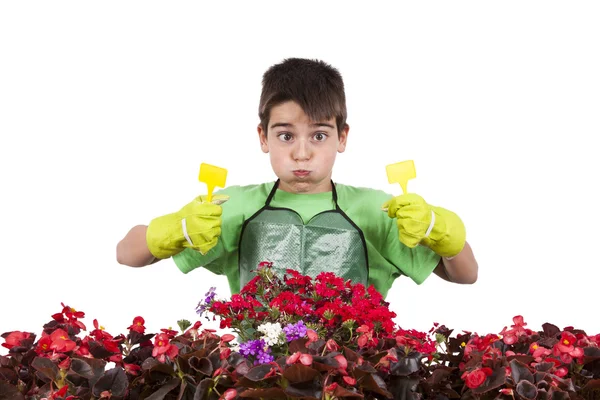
(389, 358)
(342, 362)
(225, 323)
(251, 287)
(329, 285)
(60, 393)
(65, 364)
(511, 336)
(163, 348)
(349, 380)
(303, 358)
(138, 325)
(539, 352)
(132, 369)
(226, 338)
(477, 343)
(15, 338)
(331, 388)
(306, 359)
(366, 339)
(229, 394)
(476, 377)
(116, 358)
(71, 317)
(169, 332)
(193, 330)
(298, 280)
(312, 336)
(293, 358)
(561, 372)
(288, 302)
(225, 353)
(566, 349)
(332, 345)
(61, 341)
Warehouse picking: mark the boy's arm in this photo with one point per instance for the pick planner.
(197, 225)
(133, 251)
(439, 229)
(461, 268)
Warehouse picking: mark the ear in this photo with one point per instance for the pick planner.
(262, 137)
(342, 138)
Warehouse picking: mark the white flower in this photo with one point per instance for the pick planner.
(235, 347)
(272, 333)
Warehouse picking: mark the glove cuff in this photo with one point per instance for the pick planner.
(447, 234)
(164, 236)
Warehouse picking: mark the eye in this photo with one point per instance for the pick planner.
(320, 136)
(285, 136)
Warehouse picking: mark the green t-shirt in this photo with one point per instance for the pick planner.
(388, 257)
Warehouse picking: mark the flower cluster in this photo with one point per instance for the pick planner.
(321, 338)
(327, 305)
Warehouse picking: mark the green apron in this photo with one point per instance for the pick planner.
(329, 242)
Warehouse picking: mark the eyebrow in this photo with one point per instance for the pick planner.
(314, 125)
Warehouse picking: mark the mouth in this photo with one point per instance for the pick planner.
(301, 173)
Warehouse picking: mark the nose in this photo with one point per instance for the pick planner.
(301, 151)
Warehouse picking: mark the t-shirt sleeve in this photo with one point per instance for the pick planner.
(214, 260)
(417, 263)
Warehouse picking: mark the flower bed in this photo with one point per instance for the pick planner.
(298, 338)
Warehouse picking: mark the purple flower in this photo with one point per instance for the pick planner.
(295, 331)
(202, 306)
(252, 347)
(264, 357)
(257, 350)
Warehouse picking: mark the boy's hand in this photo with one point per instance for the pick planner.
(420, 223)
(196, 225)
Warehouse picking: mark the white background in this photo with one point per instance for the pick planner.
(108, 108)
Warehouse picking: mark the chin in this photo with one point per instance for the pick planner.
(307, 186)
(296, 186)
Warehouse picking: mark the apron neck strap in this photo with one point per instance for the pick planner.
(276, 185)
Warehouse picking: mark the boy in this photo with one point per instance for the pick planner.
(304, 221)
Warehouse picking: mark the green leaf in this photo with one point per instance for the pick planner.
(184, 324)
(439, 338)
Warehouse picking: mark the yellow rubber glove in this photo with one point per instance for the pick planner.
(420, 223)
(196, 225)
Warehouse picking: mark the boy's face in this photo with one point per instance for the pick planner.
(302, 151)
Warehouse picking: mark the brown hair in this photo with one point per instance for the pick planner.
(316, 86)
